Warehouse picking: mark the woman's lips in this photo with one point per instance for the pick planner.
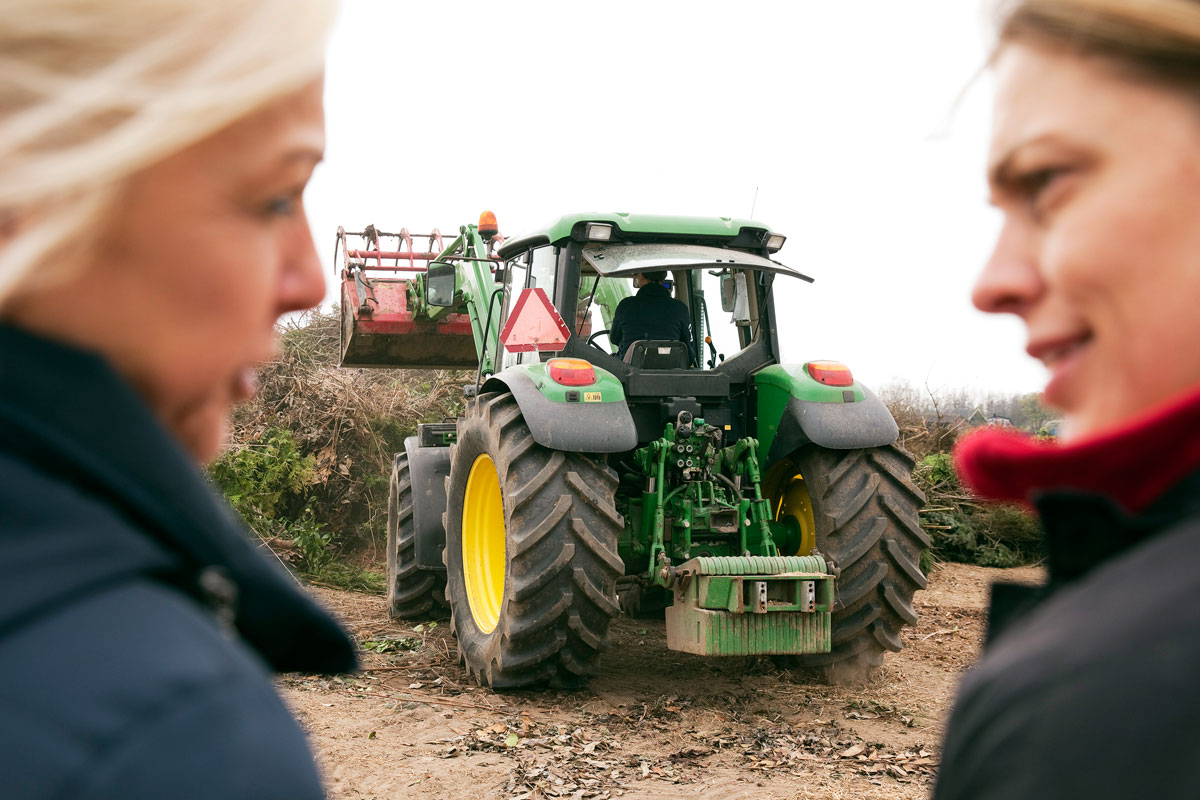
(1051, 350)
(1062, 355)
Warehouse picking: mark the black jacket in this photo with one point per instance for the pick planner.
(138, 624)
(1088, 687)
(650, 314)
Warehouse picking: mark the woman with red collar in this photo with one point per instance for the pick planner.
(1087, 686)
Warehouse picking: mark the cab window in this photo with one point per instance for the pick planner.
(516, 275)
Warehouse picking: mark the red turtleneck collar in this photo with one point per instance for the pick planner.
(1133, 464)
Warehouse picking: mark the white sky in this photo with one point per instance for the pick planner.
(846, 116)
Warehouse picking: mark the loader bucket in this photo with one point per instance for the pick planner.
(381, 332)
(379, 328)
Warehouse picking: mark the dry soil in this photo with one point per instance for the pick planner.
(652, 724)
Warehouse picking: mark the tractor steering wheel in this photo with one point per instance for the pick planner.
(592, 340)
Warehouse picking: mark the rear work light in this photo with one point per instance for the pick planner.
(598, 232)
(571, 372)
(830, 373)
(775, 242)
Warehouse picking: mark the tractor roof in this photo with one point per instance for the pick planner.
(724, 227)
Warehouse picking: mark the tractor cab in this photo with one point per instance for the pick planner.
(719, 269)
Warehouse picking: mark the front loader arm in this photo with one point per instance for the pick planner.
(477, 288)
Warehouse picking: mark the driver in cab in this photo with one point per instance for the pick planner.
(650, 314)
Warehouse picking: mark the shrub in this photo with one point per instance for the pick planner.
(343, 427)
(964, 529)
(265, 478)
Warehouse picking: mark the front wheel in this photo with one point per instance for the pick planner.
(531, 552)
(861, 506)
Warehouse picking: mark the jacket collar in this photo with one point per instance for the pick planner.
(1134, 464)
(69, 415)
(654, 288)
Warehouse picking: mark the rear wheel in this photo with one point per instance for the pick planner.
(412, 593)
(863, 505)
(531, 552)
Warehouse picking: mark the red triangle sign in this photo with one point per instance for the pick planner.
(534, 324)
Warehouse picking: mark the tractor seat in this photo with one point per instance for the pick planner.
(657, 354)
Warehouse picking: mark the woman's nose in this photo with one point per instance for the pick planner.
(302, 283)
(1011, 280)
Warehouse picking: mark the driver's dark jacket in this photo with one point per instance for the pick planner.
(139, 627)
(650, 314)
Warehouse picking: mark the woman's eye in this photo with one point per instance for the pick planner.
(282, 206)
(1036, 185)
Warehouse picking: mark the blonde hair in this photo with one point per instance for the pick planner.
(1154, 40)
(92, 91)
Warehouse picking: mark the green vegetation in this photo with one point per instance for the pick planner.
(964, 528)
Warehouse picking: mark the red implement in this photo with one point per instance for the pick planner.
(379, 328)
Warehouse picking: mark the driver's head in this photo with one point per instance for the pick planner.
(644, 278)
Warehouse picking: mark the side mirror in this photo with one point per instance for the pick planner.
(728, 291)
(441, 279)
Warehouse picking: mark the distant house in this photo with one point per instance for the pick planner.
(977, 418)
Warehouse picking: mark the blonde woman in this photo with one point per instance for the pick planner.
(153, 154)
(1087, 687)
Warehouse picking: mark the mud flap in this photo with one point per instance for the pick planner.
(428, 468)
(739, 606)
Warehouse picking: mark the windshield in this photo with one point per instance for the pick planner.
(722, 304)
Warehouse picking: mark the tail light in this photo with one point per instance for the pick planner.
(830, 373)
(571, 372)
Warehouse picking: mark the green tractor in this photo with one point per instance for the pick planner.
(766, 507)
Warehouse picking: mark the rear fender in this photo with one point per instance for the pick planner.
(583, 419)
(795, 410)
(428, 468)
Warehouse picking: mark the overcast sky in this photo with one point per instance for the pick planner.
(848, 118)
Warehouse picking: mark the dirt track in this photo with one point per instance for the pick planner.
(653, 724)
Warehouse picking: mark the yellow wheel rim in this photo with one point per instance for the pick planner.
(483, 544)
(795, 501)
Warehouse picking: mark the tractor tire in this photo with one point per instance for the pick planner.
(864, 504)
(531, 552)
(412, 592)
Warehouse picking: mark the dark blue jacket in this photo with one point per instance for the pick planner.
(138, 625)
(650, 314)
